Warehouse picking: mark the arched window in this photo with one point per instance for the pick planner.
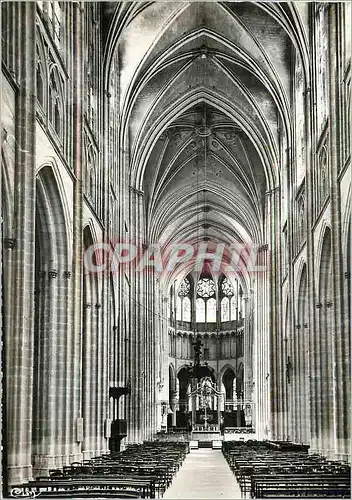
(206, 301)
(186, 309)
(57, 117)
(301, 217)
(233, 308)
(243, 315)
(228, 301)
(211, 311)
(179, 308)
(183, 301)
(225, 309)
(171, 302)
(52, 98)
(324, 174)
(55, 110)
(322, 63)
(200, 311)
(228, 381)
(40, 85)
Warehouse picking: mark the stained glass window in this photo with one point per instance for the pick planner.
(186, 309)
(243, 308)
(206, 288)
(322, 63)
(233, 308)
(225, 309)
(226, 287)
(184, 288)
(200, 311)
(211, 311)
(178, 308)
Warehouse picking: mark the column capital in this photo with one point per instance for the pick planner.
(263, 248)
(52, 274)
(9, 243)
(137, 191)
(272, 191)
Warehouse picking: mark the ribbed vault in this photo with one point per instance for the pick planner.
(205, 98)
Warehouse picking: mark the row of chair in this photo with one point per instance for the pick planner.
(266, 471)
(141, 471)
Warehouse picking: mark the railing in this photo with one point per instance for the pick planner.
(224, 327)
(205, 428)
(239, 430)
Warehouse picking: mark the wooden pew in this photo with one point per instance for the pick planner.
(141, 471)
(248, 461)
(325, 485)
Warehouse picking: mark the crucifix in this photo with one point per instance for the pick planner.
(197, 350)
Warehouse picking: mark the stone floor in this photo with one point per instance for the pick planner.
(204, 474)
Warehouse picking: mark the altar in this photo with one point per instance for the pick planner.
(205, 409)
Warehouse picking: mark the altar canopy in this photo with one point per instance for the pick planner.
(205, 405)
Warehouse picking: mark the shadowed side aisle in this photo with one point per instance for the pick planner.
(204, 474)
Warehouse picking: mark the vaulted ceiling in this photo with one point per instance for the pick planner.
(205, 102)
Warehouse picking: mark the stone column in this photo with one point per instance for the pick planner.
(261, 340)
(100, 368)
(137, 313)
(74, 346)
(106, 367)
(314, 357)
(174, 407)
(247, 362)
(65, 332)
(19, 339)
(341, 347)
(274, 305)
(87, 361)
(50, 383)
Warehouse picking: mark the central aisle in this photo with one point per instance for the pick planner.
(204, 474)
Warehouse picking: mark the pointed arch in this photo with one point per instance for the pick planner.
(52, 269)
(227, 379)
(301, 359)
(172, 378)
(52, 216)
(240, 381)
(89, 346)
(325, 340)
